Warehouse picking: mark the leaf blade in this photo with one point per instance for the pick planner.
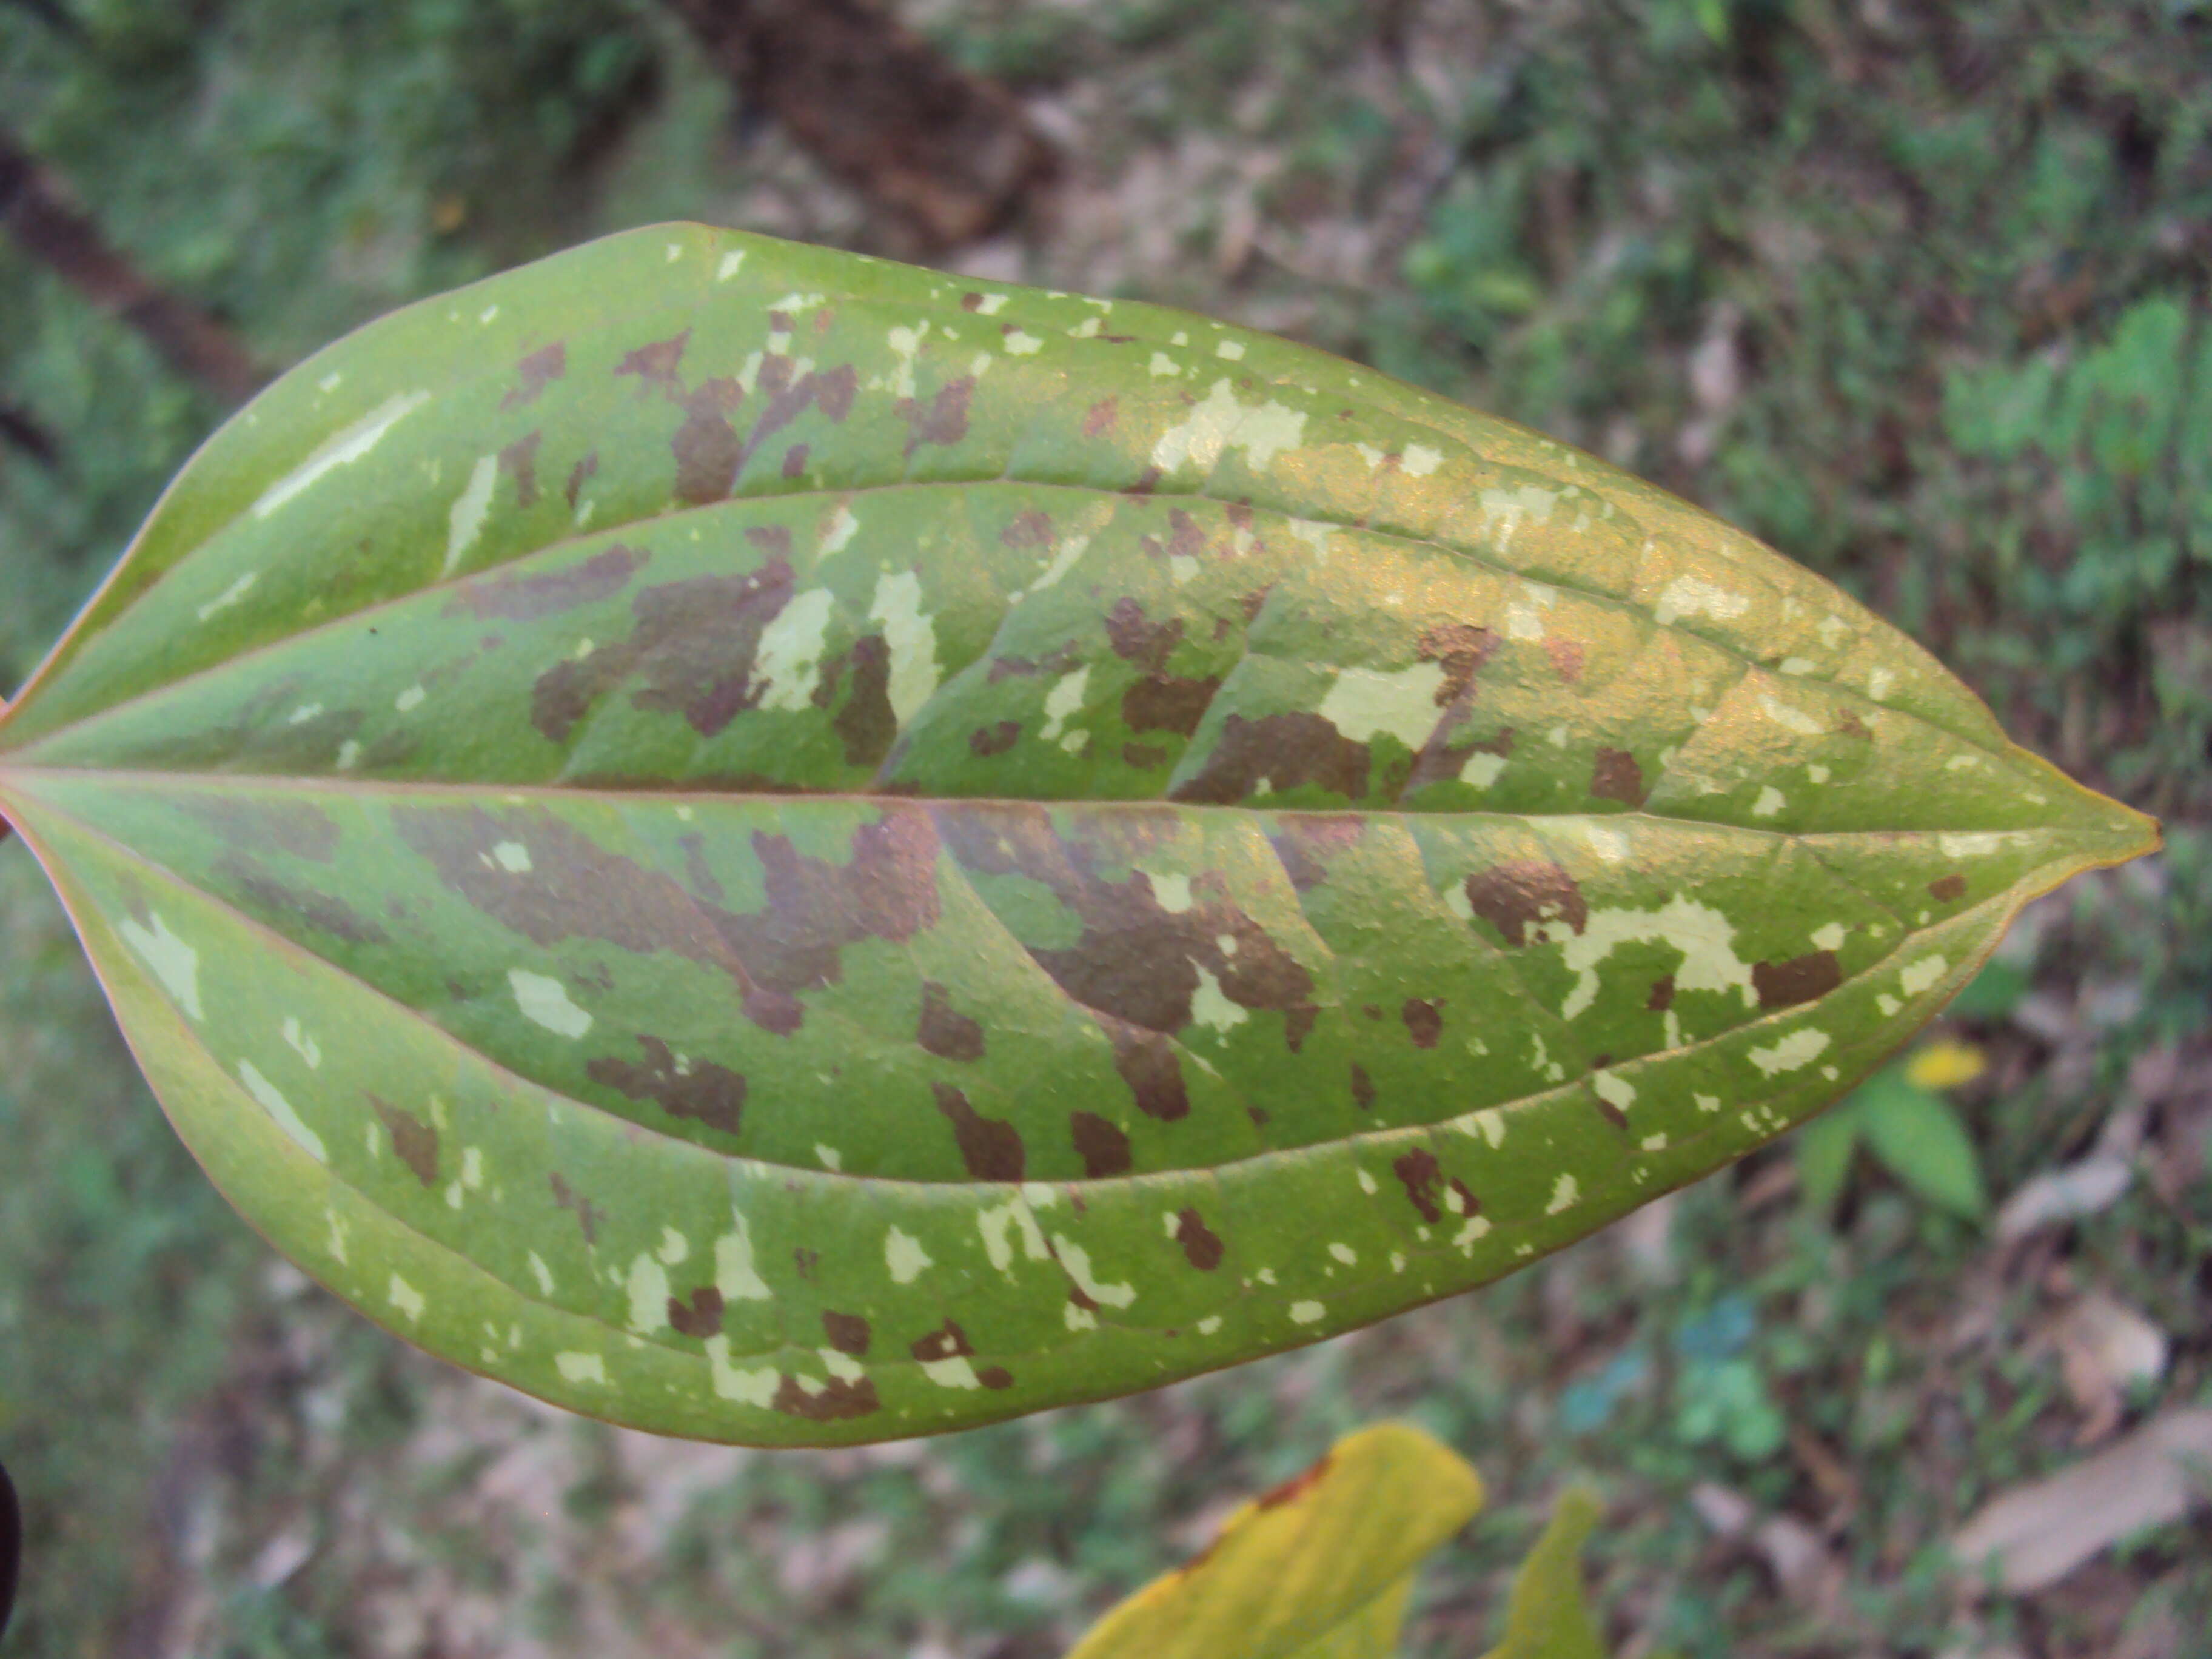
(1100, 810)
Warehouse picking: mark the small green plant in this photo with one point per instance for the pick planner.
(1900, 1117)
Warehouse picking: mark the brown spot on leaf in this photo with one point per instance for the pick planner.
(1102, 1147)
(943, 422)
(1418, 1172)
(697, 1090)
(1615, 775)
(588, 1214)
(1949, 890)
(578, 476)
(271, 899)
(1566, 657)
(1297, 1487)
(1424, 1021)
(707, 448)
(971, 302)
(1101, 415)
(1363, 1088)
(536, 371)
(577, 889)
(947, 1341)
(1168, 702)
(1298, 1025)
(1285, 750)
(532, 597)
(1201, 1247)
(995, 740)
(1613, 1115)
(299, 828)
(414, 1140)
(1137, 963)
(829, 390)
(944, 1032)
(1662, 994)
(1800, 979)
(1029, 528)
(846, 1332)
(1185, 539)
(794, 461)
(1137, 639)
(693, 653)
(994, 1376)
(519, 461)
(1306, 843)
(990, 1147)
(1148, 1063)
(827, 1401)
(655, 365)
(1461, 648)
(701, 1317)
(1513, 897)
(867, 724)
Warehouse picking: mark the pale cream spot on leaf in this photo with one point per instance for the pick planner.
(229, 596)
(1074, 1257)
(581, 1367)
(912, 638)
(754, 1387)
(406, 1298)
(465, 519)
(1209, 1007)
(1366, 701)
(904, 1256)
(175, 963)
(1306, 1313)
(735, 1275)
(545, 1002)
(302, 1044)
(1692, 595)
(1793, 1053)
(787, 666)
(1918, 976)
(281, 1110)
(1219, 422)
(343, 448)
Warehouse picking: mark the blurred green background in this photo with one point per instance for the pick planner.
(1920, 293)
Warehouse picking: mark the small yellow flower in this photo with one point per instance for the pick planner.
(1945, 1065)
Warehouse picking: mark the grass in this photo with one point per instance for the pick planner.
(1918, 293)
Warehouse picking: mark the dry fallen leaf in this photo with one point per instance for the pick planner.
(2083, 1187)
(2105, 1347)
(2036, 1534)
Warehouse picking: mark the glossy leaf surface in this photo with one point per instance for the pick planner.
(1320, 1568)
(786, 848)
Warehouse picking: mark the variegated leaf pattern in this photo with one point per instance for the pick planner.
(786, 848)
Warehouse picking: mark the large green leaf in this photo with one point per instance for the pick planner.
(782, 847)
(1321, 1568)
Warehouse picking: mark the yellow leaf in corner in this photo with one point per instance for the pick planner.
(1945, 1065)
(1320, 1568)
